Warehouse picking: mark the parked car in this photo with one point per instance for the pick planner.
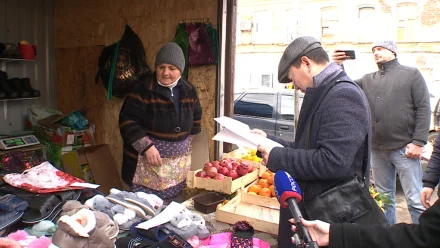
(268, 109)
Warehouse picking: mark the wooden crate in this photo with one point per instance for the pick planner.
(269, 202)
(263, 219)
(238, 154)
(226, 186)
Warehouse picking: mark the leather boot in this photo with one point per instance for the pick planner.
(10, 93)
(3, 76)
(11, 51)
(14, 84)
(26, 85)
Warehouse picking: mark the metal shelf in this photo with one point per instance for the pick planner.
(14, 60)
(5, 104)
(3, 62)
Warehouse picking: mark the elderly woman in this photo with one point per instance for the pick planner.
(157, 123)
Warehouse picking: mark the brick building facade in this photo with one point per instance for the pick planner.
(266, 27)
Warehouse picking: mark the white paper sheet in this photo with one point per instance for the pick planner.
(163, 217)
(239, 133)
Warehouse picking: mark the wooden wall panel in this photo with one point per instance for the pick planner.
(83, 27)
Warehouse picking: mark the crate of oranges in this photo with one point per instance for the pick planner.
(262, 191)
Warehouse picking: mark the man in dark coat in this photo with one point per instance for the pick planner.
(331, 136)
(431, 176)
(422, 235)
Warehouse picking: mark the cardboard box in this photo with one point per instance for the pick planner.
(261, 218)
(51, 129)
(54, 152)
(94, 164)
(226, 186)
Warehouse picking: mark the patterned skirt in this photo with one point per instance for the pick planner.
(168, 180)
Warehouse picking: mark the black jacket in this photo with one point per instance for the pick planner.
(423, 235)
(431, 176)
(149, 111)
(399, 103)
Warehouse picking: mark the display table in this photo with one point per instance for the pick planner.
(218, 227)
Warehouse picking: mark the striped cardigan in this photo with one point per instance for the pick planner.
(149, 112)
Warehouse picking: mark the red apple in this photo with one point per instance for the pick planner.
(201, 174)
(215, 163)
(223, 171)
(207, 164)
(242, 169)
(233, 174)
(219, 176)
(235, 165)
(228, 165)
(211, 171)
(251, 168)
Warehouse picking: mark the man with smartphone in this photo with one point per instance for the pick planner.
(400, 113)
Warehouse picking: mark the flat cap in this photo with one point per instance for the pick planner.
(297, 48)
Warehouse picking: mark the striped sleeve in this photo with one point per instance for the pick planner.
(130, 126)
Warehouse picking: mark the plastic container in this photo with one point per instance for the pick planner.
(207, 203)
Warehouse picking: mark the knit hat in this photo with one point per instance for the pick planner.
(171, 54)
(297, 48)
(387, 44)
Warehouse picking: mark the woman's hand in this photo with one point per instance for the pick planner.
(319, 230)
(259, 132)
(153, 157)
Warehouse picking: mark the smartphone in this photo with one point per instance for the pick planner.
(349, 53)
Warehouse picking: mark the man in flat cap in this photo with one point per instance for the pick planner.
(401, 112)
(334, 127)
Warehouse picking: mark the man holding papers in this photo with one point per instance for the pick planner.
(333, 128)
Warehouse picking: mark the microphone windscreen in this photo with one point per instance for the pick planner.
(286, 187)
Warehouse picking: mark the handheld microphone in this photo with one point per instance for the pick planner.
(288, 194)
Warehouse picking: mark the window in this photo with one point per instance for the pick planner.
(329, 24)
(407, 21)
(254, 104)
(263, 27)
(265, 81)
(289, 20)
(287, 111)
(366, 23)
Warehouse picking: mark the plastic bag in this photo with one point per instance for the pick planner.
(120, 72)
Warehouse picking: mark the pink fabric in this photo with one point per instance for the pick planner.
(223, 240)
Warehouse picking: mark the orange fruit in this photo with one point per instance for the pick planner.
(270, 179)
(265, 175)
(265, 192)
(272, 190)
(254, 188)
(263, 183)
(252, 193)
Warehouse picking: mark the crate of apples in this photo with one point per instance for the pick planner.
(226, 176)
(226, 167)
